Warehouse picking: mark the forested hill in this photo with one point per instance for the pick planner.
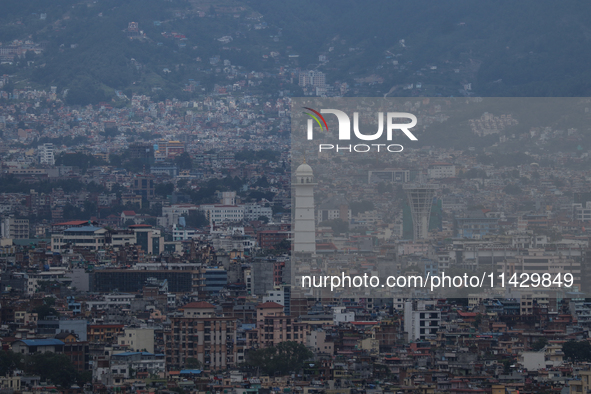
(493, 48)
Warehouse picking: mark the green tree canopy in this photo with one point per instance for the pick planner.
(339, 226)
(577, 351)
(196, 219)
(9, 361)
(361, 206)
(286, 357)
(56, 367)
(184, 161)
(45, 310)
(539, 344)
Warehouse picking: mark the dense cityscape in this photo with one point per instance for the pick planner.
(149, 232)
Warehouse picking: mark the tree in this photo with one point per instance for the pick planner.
(477, 320)
(163, 189)
(284, 246)
(262, 182)
(512, 189)
(45, 310)
(111, 132)
(338, 226)
(384, 188)
(577, 351)
(56, 367)
(361, 206)
(79, 160)
(196, 219)
(184, 161)
(84, 377)
(9, 361)
(263, 219)
(539, 344)
(286, 357)
(193, 363)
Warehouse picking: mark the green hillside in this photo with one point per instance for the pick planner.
(502, 48)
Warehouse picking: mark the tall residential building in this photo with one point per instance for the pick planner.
(14, 228)
(421, 319)
(168, 149)
(274, 326)
(45, 152)
(202, 335)
(312, 78)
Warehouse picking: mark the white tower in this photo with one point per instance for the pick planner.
(304, 226)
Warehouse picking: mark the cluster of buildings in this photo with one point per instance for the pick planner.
(141, 312)
(169, 261)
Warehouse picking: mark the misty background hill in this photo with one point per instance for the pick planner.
(495, 48)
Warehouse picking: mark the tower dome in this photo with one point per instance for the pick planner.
(304, 169)
(304, 174)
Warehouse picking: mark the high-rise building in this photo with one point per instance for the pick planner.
(312, 78)
(45, 152)
(420, 198)
(304, 226)
(202, 335)
(168, 149)
(273, 326)
(14, 228)
(421, 319)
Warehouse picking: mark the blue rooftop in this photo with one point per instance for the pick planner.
(82, 229)
(190, 371)
(41, 342)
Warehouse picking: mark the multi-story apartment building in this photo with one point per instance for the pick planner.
(46, 156)
(202, 335)
(218, 213)
(274, 326)
(441, 170)
(254, 211)
(312, 78)
(421, 319)
(15, 228)
(104, 332)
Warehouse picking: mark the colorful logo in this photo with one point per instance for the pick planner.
(316, 118)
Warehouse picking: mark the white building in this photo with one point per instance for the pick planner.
(45, 152)
(138, 339)
(232, 239)
(183, 233)
(304, 226)
(312, 78)
(277, 295)
(421, 319)
(340, 315)
(388, 175)
(581, 213)
(14, 228)
(335, 207)
(218, 213)
(252, 211)
(441, 170)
